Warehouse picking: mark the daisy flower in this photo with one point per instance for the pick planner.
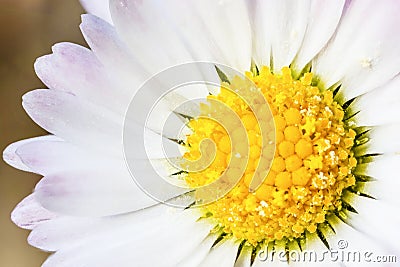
(310, 88)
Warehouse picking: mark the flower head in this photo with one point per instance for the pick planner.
(292, 146)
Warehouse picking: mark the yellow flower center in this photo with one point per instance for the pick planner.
(312, 165)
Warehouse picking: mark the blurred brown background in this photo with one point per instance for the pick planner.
(28, 29)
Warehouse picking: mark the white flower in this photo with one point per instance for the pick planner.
(87, 208)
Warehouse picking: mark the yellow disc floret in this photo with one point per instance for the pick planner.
(312, 165)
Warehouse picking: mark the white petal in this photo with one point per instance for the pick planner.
(383, 170)
(372, 215)
(356, 243)
(91, 193)
(382, 139)
(48, 157)
(315, 253)
(165, 34)
(244, 258)
(76, 179)
(322, 22)
(371, 221)
(261, 19)
(75, 69)
(54, 156)
(74, 119)
(10, 156)
(364, 53)
(86, 124)
(29, 214)
(227, 28)
(142, 25)
(222, 254)
(199, 253)
(380, 106)
(69, 232)
(113, 53)
(279, 28)
(99, 8)
(221, 30)
(123, 244)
